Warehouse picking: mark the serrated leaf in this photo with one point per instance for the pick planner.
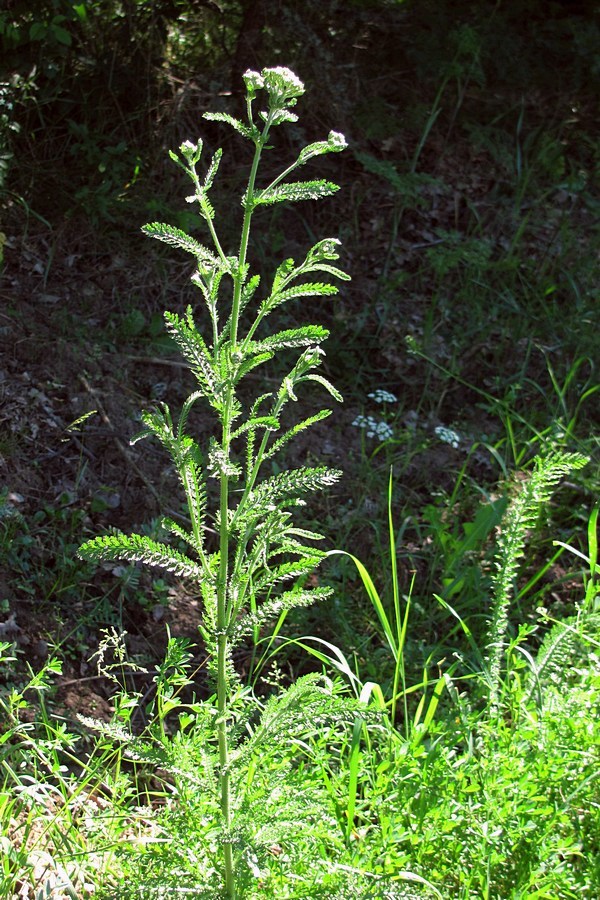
(292, 337)
(169, 524)
(284, 572)
(294, 430)
(326, 384)
(331, 270)
(282, 274)
(268, 422)
(158, 422)
(295, 191)
(139, 548)
(276, 605)
(252, 363)
(213, 169)
(310, 289)
(185, 411)
(230, 120)
(175, 237)
(305, 479)
(193, 347)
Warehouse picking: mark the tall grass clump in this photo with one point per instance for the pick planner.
(258, 564)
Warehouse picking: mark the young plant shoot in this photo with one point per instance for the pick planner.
(257, 567)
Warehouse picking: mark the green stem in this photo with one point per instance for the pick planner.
(222, 677)
(224, 608)
(239, 280)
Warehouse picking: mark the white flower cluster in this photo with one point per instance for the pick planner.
(280, 82)
(448, 436)
(380, 429)
(381, 396)
(336, 141)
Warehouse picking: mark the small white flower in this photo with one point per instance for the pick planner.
(336, 141)
(253, 81)
(191, 151)
(282, 82)
(374, 428)
(448, 436)
(381, 396)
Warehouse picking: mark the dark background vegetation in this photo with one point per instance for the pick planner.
(469, 216)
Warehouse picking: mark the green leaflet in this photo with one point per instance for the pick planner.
(175, 237)
(294, 191)
(292, 337)
(286, 571)
(268, 422)
(139, 548)
(213, 169)
(310, 289)
(303, 480)
(192, 345)
(294, 430)
(230, 120)
(275, 606)
(326, 384)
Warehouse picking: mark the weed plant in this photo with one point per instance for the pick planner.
(259, 567)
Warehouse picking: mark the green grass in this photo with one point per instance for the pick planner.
(469, 796)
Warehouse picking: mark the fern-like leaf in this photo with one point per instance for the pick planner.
(274, 606)
(310, 289)
(294, 430)
(292, 337)
(292, 483)
(139, 548)
(294, 191)
(230, 120)
(520, 516)
(175, 237)
(192, 345)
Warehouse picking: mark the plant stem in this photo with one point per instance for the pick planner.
(222, 678)
(223, 606)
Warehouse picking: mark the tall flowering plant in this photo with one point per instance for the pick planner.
(258, 567)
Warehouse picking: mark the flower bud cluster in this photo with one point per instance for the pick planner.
(281, 84)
